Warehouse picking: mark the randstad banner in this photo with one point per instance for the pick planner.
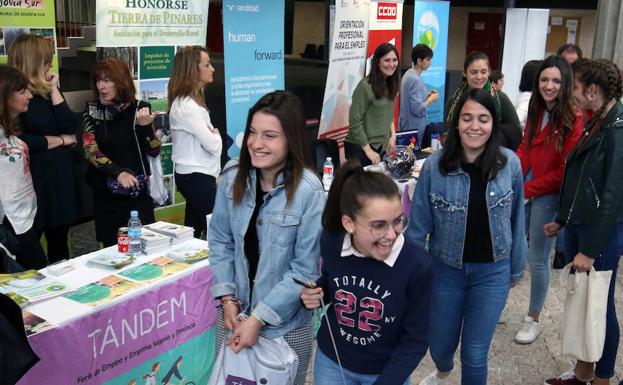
(254, 60)
(430, 27)
(18, 17)
(152, 22)
(145, 34)
(347, 59)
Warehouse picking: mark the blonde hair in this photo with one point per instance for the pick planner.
(185, 78)
(29, 53)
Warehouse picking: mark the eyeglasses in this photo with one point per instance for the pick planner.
(379, 228)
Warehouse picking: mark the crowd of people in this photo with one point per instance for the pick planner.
(508, 180)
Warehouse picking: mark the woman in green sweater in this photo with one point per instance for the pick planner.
(371, 115)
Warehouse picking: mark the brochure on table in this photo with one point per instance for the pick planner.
(60, 310)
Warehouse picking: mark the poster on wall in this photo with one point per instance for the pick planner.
(385, 26)
(21, 16)
(430, 27)
(146, 35)
(166, 334)
(253, 51)
(347, 59)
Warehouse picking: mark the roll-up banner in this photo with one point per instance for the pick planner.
(347, 58)
(146, 35)
(430, 27)
(253, 40)
(18, 17)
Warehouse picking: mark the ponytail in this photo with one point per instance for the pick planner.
(351, 185)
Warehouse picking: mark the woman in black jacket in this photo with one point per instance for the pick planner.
(591, 209)
(49, 128)
(117, 138)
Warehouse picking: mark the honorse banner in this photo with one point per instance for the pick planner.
(124, 23)
(146, 34)
(166, 331)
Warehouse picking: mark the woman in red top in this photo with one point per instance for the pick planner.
(553, 127)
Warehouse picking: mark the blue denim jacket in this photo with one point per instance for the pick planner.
(439, 209)
(289, 245)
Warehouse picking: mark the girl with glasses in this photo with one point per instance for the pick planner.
(377, 282)
(468, 207)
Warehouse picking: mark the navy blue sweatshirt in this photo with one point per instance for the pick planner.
(379, 314)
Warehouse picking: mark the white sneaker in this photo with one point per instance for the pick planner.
(529, 331)
(432, 379)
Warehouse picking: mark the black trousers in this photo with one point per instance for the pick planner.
(352, 150)
(30, 255)
(200, 192)
(56, 237)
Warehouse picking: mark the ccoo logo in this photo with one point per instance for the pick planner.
(387, 11)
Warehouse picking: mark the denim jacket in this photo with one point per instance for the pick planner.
(439, 209)
(289, 246)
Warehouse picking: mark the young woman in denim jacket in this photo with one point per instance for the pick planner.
(591, 209)
(469, 202)
(553, 128)
(265, 230)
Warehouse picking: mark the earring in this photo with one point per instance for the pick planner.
(591, 97)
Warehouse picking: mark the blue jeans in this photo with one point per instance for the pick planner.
(608, 260)
(539, 211)
(327, 372)
(466, 304)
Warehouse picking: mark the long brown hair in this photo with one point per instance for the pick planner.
(119, 73)
(29, 53)
(287, 108)
(605, 75)
(184, 79)
(563, 112)
(381, 85)
(11, 80)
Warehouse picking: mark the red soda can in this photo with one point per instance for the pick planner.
(123, 241)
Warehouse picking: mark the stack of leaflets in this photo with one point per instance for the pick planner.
(189, 253)
(103, 291)
(178, 233)
(152, 241)
(30, 286)
(112, 258)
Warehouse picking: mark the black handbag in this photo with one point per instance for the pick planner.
(116, 188)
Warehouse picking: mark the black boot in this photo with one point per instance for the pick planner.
(559, 260)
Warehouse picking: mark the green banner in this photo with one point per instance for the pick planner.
(146, 35)
(18, 17)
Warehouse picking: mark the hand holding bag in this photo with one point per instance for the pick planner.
(583, 326)
(269, 361)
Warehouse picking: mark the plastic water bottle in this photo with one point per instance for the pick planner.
(327, 173)
(134, 233)
(435, 143)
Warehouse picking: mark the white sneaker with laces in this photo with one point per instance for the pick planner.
(529, 331)
(432, 379)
